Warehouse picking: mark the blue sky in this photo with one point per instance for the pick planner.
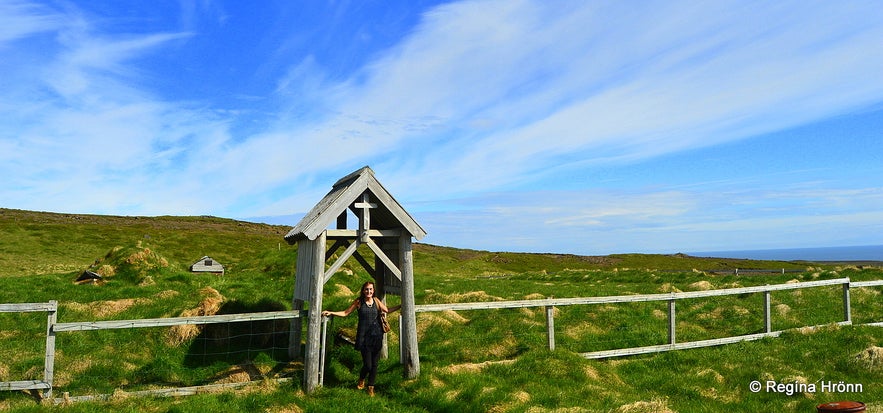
(587, 127)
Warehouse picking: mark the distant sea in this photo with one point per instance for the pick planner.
(854, 253)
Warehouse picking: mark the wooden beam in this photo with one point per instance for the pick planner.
(364, 217)
(351, 233)
(24, 385)
(337, 244)
(296, 329)
(49, 361)
(367, 266)
(314, 325)
(340, 261)
(408, 319)
(28, 307)
(386, 261)
(686, 345)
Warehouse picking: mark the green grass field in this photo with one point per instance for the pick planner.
(471, 361)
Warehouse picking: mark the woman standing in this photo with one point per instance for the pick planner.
(369, 334)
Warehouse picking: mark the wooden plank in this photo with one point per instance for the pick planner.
(329, 208)
(678, 346)
(340, 261)
(671, 321)
(335, 234)
(683, 346)
(767, 315)
(408, 319)
(396, 209)
(365, 264)
(386, 261)
(168, 392)
(876, 283)
(295, 331)
(337, 245)
(314, 346)
(302, 274)
(27, 307)
(550, 328)
(49, 361)
(174, 321)
(24, 385)
(364, 219)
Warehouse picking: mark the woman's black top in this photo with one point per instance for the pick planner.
(369, 334)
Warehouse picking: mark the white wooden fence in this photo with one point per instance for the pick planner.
(53, 327)
(671, 298)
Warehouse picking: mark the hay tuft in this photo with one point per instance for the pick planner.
(701, 286)
(209, 305)
(783, 309)
(473, 368)
(653, 406)
(106, 270)
(343, 291)
(242, 373)
(871, 358)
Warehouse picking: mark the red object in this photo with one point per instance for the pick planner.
(845, 406)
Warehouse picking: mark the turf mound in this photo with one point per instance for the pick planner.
(134, 263)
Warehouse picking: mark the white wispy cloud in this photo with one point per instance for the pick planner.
(480, 97)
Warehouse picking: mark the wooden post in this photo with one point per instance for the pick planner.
(314, 345)
(767, 314)
(380, 292)
(550, 327)
(294, 335)
(671, 321)
(324, 351)
(411, 359)
(49, 365)
(847, 306)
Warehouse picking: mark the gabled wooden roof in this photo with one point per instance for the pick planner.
(345, 192)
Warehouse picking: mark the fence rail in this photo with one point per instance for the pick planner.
(558, 302)
(176, 321)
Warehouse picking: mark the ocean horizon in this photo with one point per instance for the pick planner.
(848, 253)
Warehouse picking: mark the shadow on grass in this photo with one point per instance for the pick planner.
(239, 343)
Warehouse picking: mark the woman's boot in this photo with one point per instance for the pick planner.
(371, 391)
(361, 384)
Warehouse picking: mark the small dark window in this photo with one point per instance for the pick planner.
(208, 263)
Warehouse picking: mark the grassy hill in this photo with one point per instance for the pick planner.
(472, 361)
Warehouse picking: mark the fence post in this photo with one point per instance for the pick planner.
(847, 307)
(324, 351)
(550, 327)
(671, 321)
(768, 324)
(49, 364)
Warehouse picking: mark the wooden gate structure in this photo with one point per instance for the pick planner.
(384, 227)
